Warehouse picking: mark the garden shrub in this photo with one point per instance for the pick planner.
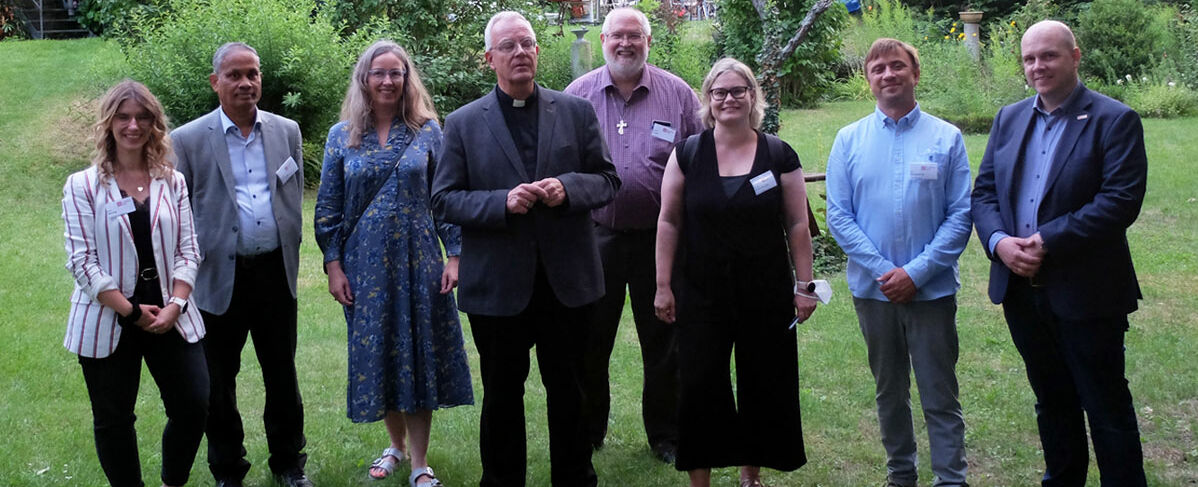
(305, 64)
(1162, 100)
(114, 18)
(10, 25)
(808, 75)
(1118, 38)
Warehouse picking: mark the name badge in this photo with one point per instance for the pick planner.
(287, 170)
(763, 182)
(924, 171)
(122, 207)
(663, 131)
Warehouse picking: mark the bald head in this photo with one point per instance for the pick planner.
(1050, 59)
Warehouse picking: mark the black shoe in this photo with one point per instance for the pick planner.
(666, 453)
(293, 478)
(229, 483)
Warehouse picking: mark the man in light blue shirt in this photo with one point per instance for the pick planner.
(898, 204)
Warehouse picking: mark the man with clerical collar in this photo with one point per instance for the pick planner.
(898, 204)
(644, 111)
(520, 170)
(1063, 177)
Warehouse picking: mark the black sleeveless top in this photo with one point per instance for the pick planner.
(147, 290)
(735, 244)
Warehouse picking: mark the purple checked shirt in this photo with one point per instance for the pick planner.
(639, 156)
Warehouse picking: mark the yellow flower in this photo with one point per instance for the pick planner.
(1012, 23)
(975, 34)
(954, 29)
(946, 37)
(954, 24)
(961, 35)
(925, 38)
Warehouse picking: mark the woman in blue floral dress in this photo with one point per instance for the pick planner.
(373, 223)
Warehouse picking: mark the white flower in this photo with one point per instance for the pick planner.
(1128, 76)
(1172, 84)
(1118, 81)
(1144, 79)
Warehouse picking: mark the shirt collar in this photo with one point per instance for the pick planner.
(505, 100)
(907, 121)
(226, 122)
(1060, 109)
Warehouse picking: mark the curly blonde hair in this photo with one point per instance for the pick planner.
(415, 104)
(156, 152)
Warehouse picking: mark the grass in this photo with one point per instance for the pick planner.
(47, 88)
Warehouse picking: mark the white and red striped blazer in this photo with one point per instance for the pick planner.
(101, 256)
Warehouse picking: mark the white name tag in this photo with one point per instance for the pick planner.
(287, 170)
(763, 182)
(924, 170)
(663, 131)
(122, 207)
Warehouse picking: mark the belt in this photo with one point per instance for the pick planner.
(258, 259)
(148, 274)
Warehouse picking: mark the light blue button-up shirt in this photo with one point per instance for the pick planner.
(898, 195)
(258, 232)
(1032, 173)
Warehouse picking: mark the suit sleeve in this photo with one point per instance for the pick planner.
(453, 199)
(984, 201)
(842, 217)
(596, 184)
(450, 234)
(187, 250)
(78, 212)
(1120, 194)
(953, 234)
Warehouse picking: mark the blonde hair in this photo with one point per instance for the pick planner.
(156, 153)
(756, 114)
(415, 104)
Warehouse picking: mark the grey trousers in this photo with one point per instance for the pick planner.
(920, 335)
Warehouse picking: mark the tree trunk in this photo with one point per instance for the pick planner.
(774, 53)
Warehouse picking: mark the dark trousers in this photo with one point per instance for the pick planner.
(762, 425)
(262, 307)
(1076, 369)
(503, 342)
(628, 259)
(112, 383)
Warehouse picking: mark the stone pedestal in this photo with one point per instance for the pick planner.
(580, 53)
(972, 20)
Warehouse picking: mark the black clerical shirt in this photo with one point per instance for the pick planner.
(522, 123)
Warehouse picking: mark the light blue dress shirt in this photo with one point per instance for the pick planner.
(898, 195)
(1032, 173)
(258, 233)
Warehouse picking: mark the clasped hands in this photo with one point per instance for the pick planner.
(158, 320)
(1022, 255)
(549, 191)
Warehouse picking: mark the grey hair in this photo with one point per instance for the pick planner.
(624, 11)
(501, 16)
(727, 65)
(219, 57)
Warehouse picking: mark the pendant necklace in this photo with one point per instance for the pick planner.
(620, 103)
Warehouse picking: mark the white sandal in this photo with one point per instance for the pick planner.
(429, 480)
(384, 463)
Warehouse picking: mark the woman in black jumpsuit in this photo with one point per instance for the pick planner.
(734, 217)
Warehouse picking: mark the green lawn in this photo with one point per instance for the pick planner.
(45, 90)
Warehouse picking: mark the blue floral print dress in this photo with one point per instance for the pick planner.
(405, 342)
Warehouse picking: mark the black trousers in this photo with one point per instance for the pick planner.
(628, 260)
(262, 307)
(112, 382)
(762, 424)
(503, 342)
(1076, 369)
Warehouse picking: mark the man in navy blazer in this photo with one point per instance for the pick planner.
(519, 171)
(1062, 178)
(244, 171)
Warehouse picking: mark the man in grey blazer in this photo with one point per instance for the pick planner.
(519, 171)
(244, 171)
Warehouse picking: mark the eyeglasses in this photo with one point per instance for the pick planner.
(508, 46)
(737, 92)
(633, 37)
(394, 74)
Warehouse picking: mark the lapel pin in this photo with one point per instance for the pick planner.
(1083, 116)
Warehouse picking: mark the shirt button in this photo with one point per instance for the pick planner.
(234, 228)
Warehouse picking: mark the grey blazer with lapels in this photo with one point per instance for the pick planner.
(203, 158)
(479, 163)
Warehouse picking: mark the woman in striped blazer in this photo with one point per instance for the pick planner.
(131, 247)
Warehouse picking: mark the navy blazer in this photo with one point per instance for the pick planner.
(477, 167)
(1094, 191)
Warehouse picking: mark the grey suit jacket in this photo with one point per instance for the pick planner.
(203, 158)
(479, 164)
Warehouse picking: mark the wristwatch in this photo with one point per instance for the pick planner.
(182, 303)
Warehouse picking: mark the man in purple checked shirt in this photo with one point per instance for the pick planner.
(643, 111)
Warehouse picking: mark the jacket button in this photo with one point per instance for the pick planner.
(234, 228)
